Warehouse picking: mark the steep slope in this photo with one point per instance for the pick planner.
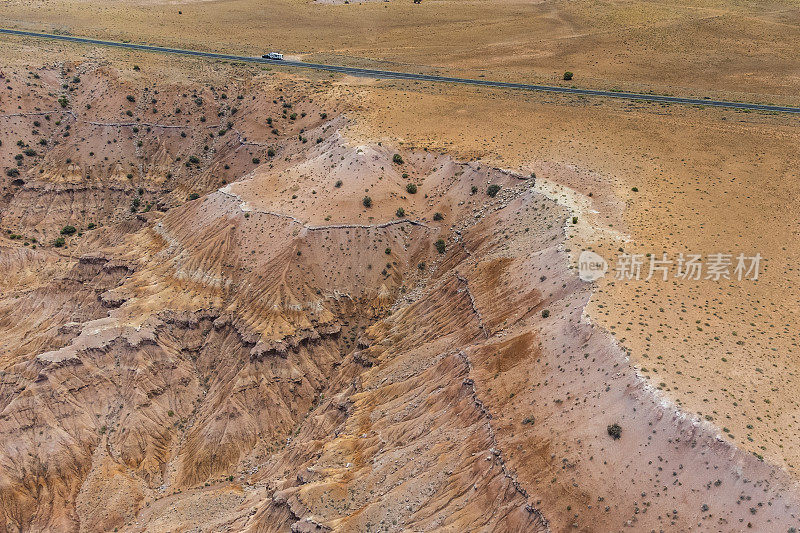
(321, 346)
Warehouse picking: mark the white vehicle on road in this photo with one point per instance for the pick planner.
(272, 55)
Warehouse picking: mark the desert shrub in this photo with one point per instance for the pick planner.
(68, 230)
(411, 188)
(493, 190)
(338, 183)
(256, 161)
(194, 196)
(387, 251)
(574, 220)
(59, 242)
(400, 212)
(567, 76)
(614, 430)
(12, 172)
(440, 246)
(270, 152)
(473, 190)
(367, 201)
(545, 313)
(130, 98)
(438, 216)
(397, 159)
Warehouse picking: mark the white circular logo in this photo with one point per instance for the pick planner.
(591, 266)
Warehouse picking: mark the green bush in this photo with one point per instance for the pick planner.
(411, 188)
(271, 152)
(400, 212)
(545, 313)
(194, 196)
(615, 431)
(68, 230)
(338, 183)
(397, 159)
(367, 201)
(567, 76)
(493, 190)
(438, 216)
(440, 246)
(59, 242)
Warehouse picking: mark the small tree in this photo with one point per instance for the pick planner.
(400, 212)
(493, 190)
(438, 216)
(411, 188)
(367, 201)
(397, 159)
(440, 245)
(68, 230)
(615, 431)
(567, 76)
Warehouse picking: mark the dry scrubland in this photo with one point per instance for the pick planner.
(351, 376)
(742, 49)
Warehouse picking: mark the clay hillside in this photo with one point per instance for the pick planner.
(241, 296)
(221, 310)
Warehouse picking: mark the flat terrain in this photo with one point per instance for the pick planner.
(742, 49)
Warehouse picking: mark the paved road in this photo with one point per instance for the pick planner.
(417, 77)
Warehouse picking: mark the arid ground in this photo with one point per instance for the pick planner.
(233, 338)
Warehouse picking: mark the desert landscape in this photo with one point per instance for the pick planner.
(249, 297)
